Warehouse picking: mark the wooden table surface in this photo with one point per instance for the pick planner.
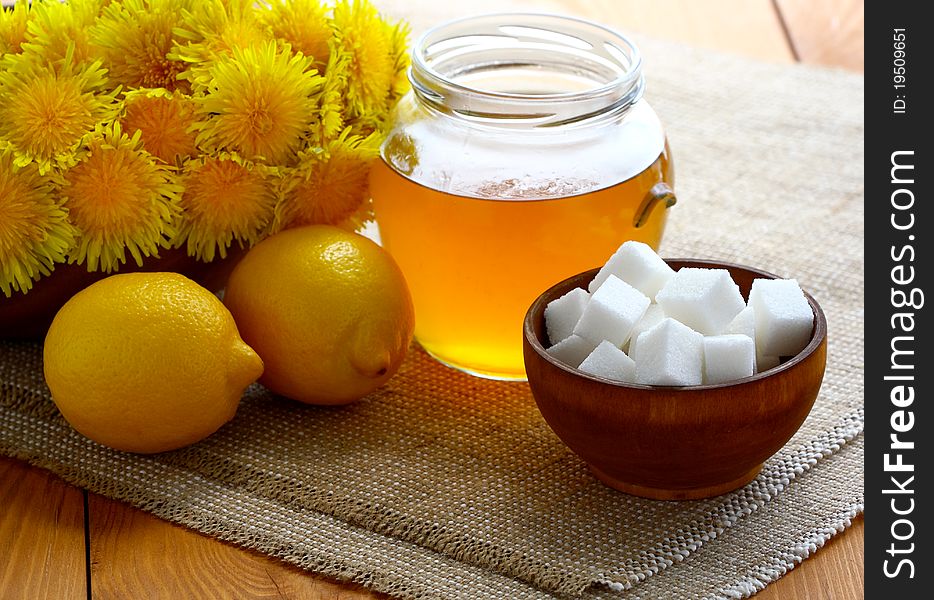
(62, 542)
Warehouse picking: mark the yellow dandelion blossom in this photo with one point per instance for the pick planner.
(34, 228)
(120, 200)
(329, 121)
(45, 111)
(213, 29)
(259, 104)
(13, 23)
(56, 25)
(377, 118)
(225, 199)
(303, 24)
(365, 125)
(135, 37)
(329, 185)
(164, 120)
(368, 39)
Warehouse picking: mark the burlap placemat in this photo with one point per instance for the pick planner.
(443, 485)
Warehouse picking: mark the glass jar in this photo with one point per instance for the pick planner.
(523, 154)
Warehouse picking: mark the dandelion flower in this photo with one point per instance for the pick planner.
(369, 40)
(45, 111)
(303, 24)
(135, 37)
(55, 25)
(329, 121)
(121, 200)
(34, 228)
(225, 199)
(329, 185)
(212, 29)
(13, 23)
(129, 126)
(164, 120)
(259, 104)
(376, 118)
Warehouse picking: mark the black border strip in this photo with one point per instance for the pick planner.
(898, 273)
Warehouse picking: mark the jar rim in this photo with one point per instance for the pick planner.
(591, 44)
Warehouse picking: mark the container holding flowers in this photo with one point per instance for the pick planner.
(172, 134)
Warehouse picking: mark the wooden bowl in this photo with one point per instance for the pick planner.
(28, 316)
(673, 443)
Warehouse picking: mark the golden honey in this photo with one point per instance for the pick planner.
(502, 177)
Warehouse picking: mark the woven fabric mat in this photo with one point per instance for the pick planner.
(443, 485)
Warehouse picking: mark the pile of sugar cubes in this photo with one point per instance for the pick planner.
(640, 321)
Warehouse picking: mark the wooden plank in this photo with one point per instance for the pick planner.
(41, 534)
(835, 572)
(136, 555)
(748, 27)
(828, 33)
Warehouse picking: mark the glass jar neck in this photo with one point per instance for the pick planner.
(526, 70)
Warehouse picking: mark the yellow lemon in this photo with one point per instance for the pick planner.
(147, 362)
(327, 310)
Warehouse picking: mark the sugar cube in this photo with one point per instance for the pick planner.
(743, 323)
(670, 353)
(562, 314)
(572, 350)
(728, 357)
(705, 300)
(609, 362)
(764, 363)
(784, 319)
(653, 314)
(612, 312)
(638, 265)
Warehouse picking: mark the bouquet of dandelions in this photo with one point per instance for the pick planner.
(130, 126)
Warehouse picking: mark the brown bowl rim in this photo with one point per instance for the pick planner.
(538, 305)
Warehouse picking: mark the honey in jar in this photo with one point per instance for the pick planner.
(524, 154)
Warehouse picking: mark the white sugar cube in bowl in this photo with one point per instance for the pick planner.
(572, 350)
(681, 441)
(728, 357)
(562, 314)
(783, 316)
(609, 362)
(670, 353)
(612, 312)
(653, 314)
(705, 300)
(638, 265)
(745, 323)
